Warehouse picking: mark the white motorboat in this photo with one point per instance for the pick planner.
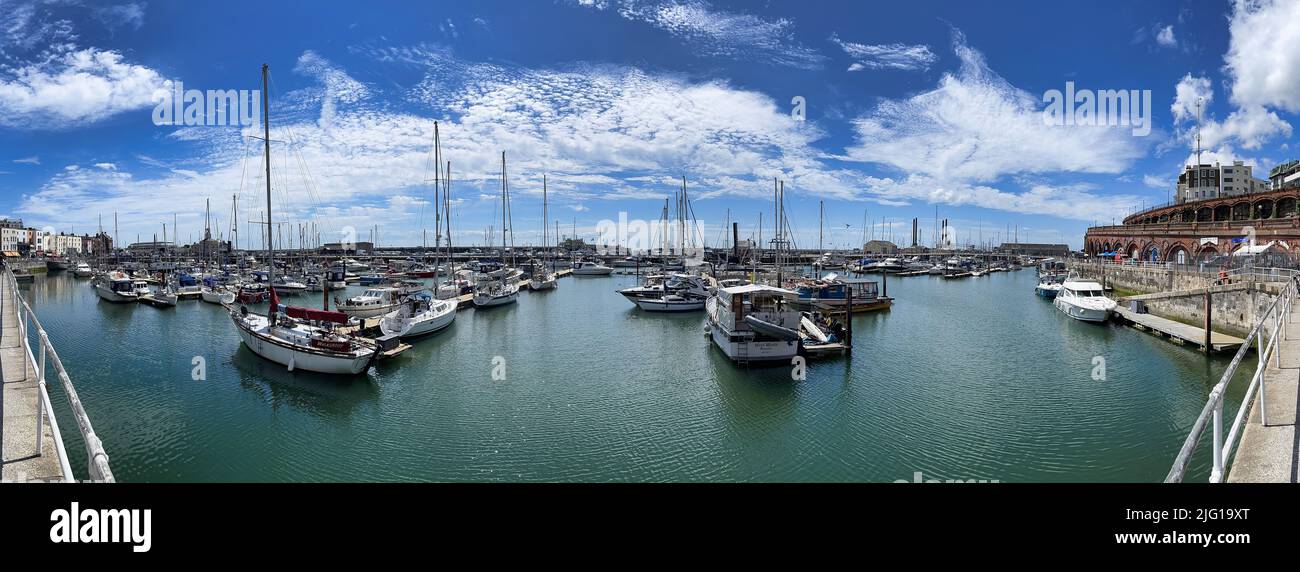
(372, 302)
(421, 315)
(754, 323)
(1048, 286)
(217, 295)
(586, 268)
(1084, 300)
(82, 270)
(116, 287)
(671, 303)
(495, 293)
(287, 285)
(660, 285)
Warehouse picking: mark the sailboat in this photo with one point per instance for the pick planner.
(498, 288)
(298, 338)
(543, 278)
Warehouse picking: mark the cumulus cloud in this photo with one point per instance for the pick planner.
(48, 81)
(886, 56)
(717, 32)
(1187, 93)
(1263, 56)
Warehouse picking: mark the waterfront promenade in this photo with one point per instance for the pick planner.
(19, 398)
(1269, 453)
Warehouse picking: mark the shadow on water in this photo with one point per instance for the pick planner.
(314, 393)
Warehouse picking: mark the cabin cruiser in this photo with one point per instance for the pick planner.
(671, 303)
(586, 268)
(754, 323)
(660, 285)
(372, 302)
(1084, 300)
(288, 285)
(336, 277)
(420, 315)
(82, 270)
(116, 287)
(1049, 286)
(542, 279)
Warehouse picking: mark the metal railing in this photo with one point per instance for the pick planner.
(1224, 448)
(96, 458)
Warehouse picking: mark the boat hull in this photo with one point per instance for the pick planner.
(659, 305)
(748, 351)
(486, 301)
(1082, 314)
(284, 354)
(368, 311)
(109, 295)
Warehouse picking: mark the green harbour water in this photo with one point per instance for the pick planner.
(962, 379)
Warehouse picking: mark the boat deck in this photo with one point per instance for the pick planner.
(18, 401)
(1178, 331)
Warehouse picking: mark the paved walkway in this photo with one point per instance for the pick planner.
(19, 395)
(1268, 454)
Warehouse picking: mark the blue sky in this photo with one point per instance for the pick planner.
(910, 107)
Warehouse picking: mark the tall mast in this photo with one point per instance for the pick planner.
(266, 132)
(544, 214)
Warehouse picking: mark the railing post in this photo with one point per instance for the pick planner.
(40, 401)
(1216, 473)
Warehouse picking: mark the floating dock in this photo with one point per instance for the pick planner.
(1178, 331)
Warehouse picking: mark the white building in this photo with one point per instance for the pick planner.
(60, 244)
(10, 238)
(1198, 182)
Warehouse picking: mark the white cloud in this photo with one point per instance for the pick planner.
(1165, 37)
(1156, 182)
(106, 166)
(886, 56)
(1079, 202)
(33, 160)
(1186, 94)
(716, 32)
(977, 127)
(129, 15)
(74, 87)
(1263, 56)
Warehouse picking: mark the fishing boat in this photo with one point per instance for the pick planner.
(82, 270)
(754, 323)
(298, 338)
(671, 303)
(1084, 300)
(421, 315)
(372, 302)
(116, 287)
(588, 268)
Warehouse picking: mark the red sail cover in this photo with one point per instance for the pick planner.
(318, 315)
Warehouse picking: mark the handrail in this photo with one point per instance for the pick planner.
(1223, 452)
(97, 458)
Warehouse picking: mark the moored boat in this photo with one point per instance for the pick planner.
(1084, 300)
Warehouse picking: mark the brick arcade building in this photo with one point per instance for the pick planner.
(1201, 230)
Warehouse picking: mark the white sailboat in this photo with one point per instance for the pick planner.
(543, 278)
(498, 287)
(298, 338)
(419, 316)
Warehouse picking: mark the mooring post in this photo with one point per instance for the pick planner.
(1208, 332)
